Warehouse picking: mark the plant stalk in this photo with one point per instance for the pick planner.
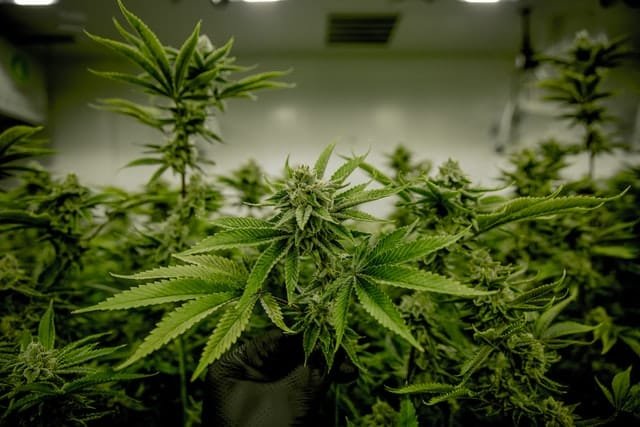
(183, 184)
(336, 419)
(411, 371)
(183, 379)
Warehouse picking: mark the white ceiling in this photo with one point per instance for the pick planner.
(299, 26)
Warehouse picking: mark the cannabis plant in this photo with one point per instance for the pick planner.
(579, 89)
(598, 250)
(325, 262)
(248, 182)
(465, 307)
(188, 85)
(44, 384)
(505, 362)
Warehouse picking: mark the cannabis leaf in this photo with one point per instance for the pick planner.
(526, 208)
(17, 144)
(208, 281)
(177, 322)
(380, 307)
(622, 396)
(227, 332)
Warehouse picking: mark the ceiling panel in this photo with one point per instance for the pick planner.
(299, 26)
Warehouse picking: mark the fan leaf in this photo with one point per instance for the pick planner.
(291, 272)
(346, 169)
(422, 388)
(151, 43)
(412, 278)
(273, 310)
(134, 55)
(90, 381)
(261, 269)
(177, 322)
(367, 196)
(230, 239)
(231, 223)
(340, 310)
(379, 306)
(321, 164)
(413, 250)
(46, 329)
(231, 325)
(131, 79)
(561, 329)
(155, 293)
(525, 208)
(184, 58)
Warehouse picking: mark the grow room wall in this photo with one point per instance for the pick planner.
(438, 106)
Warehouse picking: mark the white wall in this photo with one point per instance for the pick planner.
(440, 107)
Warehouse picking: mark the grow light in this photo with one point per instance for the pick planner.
(35, 2)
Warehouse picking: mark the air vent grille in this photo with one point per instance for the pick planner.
(370, 29)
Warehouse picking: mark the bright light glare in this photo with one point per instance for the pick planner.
(35, 2)
(481, 1)
(259, 1)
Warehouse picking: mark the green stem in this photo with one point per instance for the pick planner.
(336, 419)
(183, 379)
(411, 365)
(183, 184)
(592, 164)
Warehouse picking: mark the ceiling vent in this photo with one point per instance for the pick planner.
(369, 29)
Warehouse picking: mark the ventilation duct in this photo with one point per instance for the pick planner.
(367, 29)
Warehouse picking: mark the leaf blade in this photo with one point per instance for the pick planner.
(235, 238)
(185, 56)
(177, 322)
(155, 293)
(419, 280)
(46, 328)
(379, 306)
(340, 311)
(231, 325)
(151, 43)
(321, 164)
(261, 269)
(414, 250)
(291, 272)
(274, 312)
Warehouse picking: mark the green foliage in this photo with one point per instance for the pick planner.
(597, 250)
(16, 145)
(401, 162)
(462, 308)
(42, 383)
(524, 208)
(248, 182)
(309, 223)
(622, 396)
(578, 88)
(189, 84)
